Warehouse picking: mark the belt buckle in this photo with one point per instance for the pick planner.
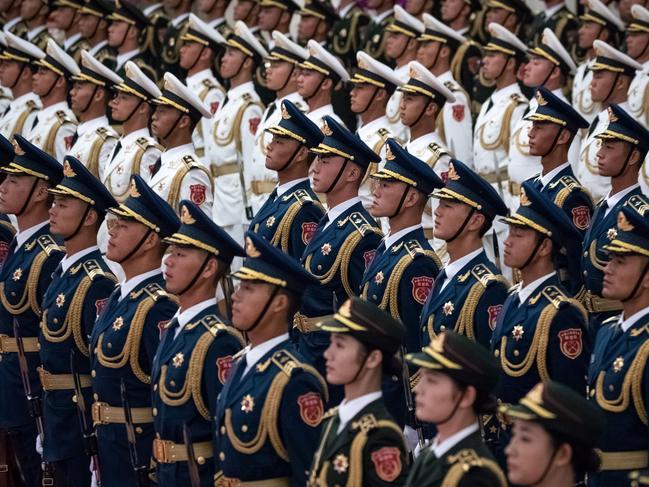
(160, 450)
(230, 482)
(97, 414)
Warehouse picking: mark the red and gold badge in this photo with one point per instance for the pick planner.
(223, 367)
(197, 193)
(308, 230)
(368, 257)
(387, 463)
(570, 342)
(311, 408)
(581, 217)
(458, 112)
(253, 123)
(421, 288)
(100, 304)
(492, 315)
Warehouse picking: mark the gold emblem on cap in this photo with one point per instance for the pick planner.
(133, 192)
(67, 170)
(186, 217)
(346, 309)
(524, 200)
(452, 174)
(285, 114)
(251, 250)
(17, 149)
(362, 64)
(312, 52)
(612, 118)
(536, 394)
(622, 222)
(540, 100)
(388, 153)
(326, 130)
(412, 72)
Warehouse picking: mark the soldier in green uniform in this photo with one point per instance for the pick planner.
(348, 33)
(554, 434)
(559, 20)
(457, 378)
(10, 18)
(376, 37)
(93, 26)
(316, 20)
(34, 13)
(64, 18)
(178, 11)
(361, 444)
(157, 21)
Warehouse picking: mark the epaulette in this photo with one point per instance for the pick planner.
(145, 144)
(285, 361)
(104, 133)
(212, 323)
(189, 160)
(330, 413)
(555, 296)
(302, 196)
(48, 244)
(518, 98)
(360, 223)
(383, 133)
(62, 117)
(208, 83)
(155, 291)
(93, 269)
(31, 105)
(483, 275)
(414, 248)
(452, 86)
(366, 423)
(438, 150)
(247, 97)
(568, 181)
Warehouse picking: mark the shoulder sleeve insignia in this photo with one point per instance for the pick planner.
(483, 275)
(413, 247)
(285, 361)
(360, 223)
(189, 160)
(224, 367)
(155, 291)
(555, 296)
(311, 408)
(570, 342)
(93, 269)
(48, 244)
(302, 196)
(387, 463)
(247, 97)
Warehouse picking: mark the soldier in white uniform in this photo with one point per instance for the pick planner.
(91, 91)
(424, 97)
(5, 93)
(178, 174)
(322, 74)
(201, 44)
(598, 22)
(282, 68)
(401, 48)
(437, 47)
(54, 126)
(550, 66)
(637, 47)
(16, 74)
(497, 118)
(233, 132)
(373, 84)
(612, 74)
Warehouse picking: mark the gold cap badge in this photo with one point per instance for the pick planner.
(133, 192)
(540, 100)
(622, 222)
(326, 130)
(524, 200)
(388, 153)
(17, 149)
(251, 250)
(346, 309)
(186, 217)
(612, 118)
(285, 114)
(67, 170)
(452, 174)
(536, 394)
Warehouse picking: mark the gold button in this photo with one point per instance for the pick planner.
(109, 345)
(93, 373)
(200, 460)
(155, 411)
(586, 254)
(611, 387)
(155, 387)
(222, 430)
(244, 428)
(95, 396)
(172, 383)
(139, 430)
(516, 353)
(222, 456)
(56, 321)
(442, 328)
(497, 353)
(592, 392)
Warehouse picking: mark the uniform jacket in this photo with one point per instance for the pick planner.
(53, 129)
(93, 144)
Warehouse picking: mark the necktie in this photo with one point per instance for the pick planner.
(490, 104)
(58, 272)
(592, 127)
(271, 109)
(74, 138)
(439, 281)
(174, 327)
(35, 122)
(118, 147)
(12, 246)
(156, 167)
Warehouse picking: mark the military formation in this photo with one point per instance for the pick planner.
(273, 243)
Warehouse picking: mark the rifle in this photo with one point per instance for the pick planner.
(228, 289)
(34, 405)
(496, 250)
(141, 471)
(194, 477)
(89, 435)
(410, 403)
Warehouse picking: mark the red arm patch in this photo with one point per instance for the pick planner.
(308, 230)
(197, 193)
(492, 313)
(570, 342)
(4, 251)
(100, 304)
(253, 123)
(368, 257)
(162, 327)
(581, 217)
(387, 463)
(458, 112)
(223, 367)
(214, 106)
(68, 141)
(311, 408)
(421, 288)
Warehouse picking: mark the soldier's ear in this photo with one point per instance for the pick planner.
(445, 52)
(91, 217)
(327, 84)
(563, 455)
(469, 396)
(374, 359)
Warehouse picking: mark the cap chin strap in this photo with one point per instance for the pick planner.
(461, 229)
(290, 159)
(121, 43)
(610, 92)
(196, 276)
(369, 103)
(637, 284)
(646, 45)
(51, 86)
(626, 162)
(421, 114)
(136, 248)
(198, 56)
(29, 198)
(401, 201)
(99, 19)
(20, 73)
(173, 127)
(546, 470)
(263, 311)
(554, 142)
(134, 110)
(78, 229)
(288, 78)
(240, 67)
(502, 70)
(307, 98)
(453, 411)
(340, 173)
(539, 242)
(360, 369)
(94, 92)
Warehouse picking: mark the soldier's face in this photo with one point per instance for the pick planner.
(277, 74)
(621, 275)
(361, 96)
(588, 32)
(493, 64)
(427, 53)
(308, 82)
(87, 25)
(164, 117)
(519, 245)
(601, 85)
(325, 169)
(343, 357)
(65, 215)
(181, 265)
(451, 9)
(242, 9)
(269, 17)
(81, 95)
(611, 156)
(537, 71)
(436, 395)
(61, 18)
(395, 44)
(637, 44)
(30, 8)
(14, 191)
(528, 453)
(541, 136)
(386, 196)
(415, 7)
(248, 301)
(496, 15)
(449, 216)
(411, 107)
(279, 151)
(117, 32)
(42, 80)
(231, 62)
(9, 72)
(189, 53)
(124, 236)
(122, 105)
(307, 27)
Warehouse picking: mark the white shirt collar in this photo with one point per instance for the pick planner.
(526, 291)
(23, 235)
(370, 127)
(95, 49)
(255, 354)
(127, 286)
(185, 316)
(390, 239)
(122, 58)
(550, 11)
(71, 40)
(283, 188)
(61, 105)
(320, 112)
(22, 99)
(348, 409)
(69, 260)
(505, 92)
(440, 449)
(177, 20)
(545, 179)
(234, 93)
(146, 11)
(613, 200)
(633, 319)
(136, 134)
(340, 208)
(92, 125)
(199, 77)
(170, 154)
(455, 266)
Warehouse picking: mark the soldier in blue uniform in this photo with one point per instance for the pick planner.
(401, 276)
(618, 377)
(541, 331)
(25, 276)
(194, 357)
(469, 293)
(126, 334)
(7, 232)
(624, 145)
(289, 217)
(364, 342)
(554, 126)
(345, 240)
(268, 414)
(79, 290)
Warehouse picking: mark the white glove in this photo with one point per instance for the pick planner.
(93, 482)
(419, 449)
(39, 445)
(411, 437)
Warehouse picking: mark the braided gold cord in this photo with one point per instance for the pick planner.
(503, 137)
